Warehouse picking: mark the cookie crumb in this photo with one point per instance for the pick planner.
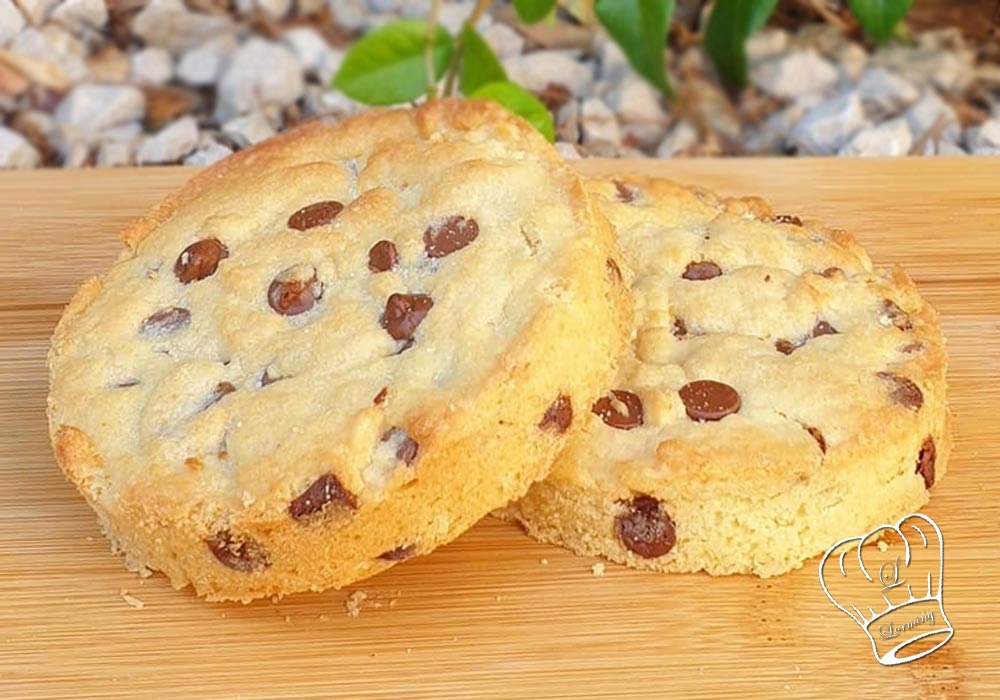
(354, 603)
(597, 569)
(132, 600)
(499, 598)
(545, 562)
(409, 650)
(882, 546)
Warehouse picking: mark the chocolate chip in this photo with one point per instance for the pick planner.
(703, 270)
(290, 296)
(902, 390)
(831, 272)
(787, 219)
(613, 270)
(558, 416)
(325, 492)
(645, 528)
(708, 400)
(268, 378)
(925, 462)
(403, 313)
(221, 389)
(450, 235)
(318, 214)
(383, 256)
(785, 347)
(200, 260)
(399, 553)
(818, 437)
(126, 383)
(407, 450)
(823, 328)
(621, 410)
(679, 329)
(896, 316)
(912, 348)
(380, 396)
(625, 193)
(168, 320)
(239, 553)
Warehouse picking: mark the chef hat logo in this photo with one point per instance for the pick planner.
(890, 582)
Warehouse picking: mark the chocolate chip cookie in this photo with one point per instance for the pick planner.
(337, 350)
(780, 393)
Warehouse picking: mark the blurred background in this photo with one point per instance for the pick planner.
(103, 83)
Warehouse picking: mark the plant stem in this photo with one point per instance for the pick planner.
(456, 57)
(432, 25)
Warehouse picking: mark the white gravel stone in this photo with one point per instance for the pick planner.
(37, 10)
(505, 42)
(884, 93)
(11, 21)
(77, 155)
(826, 128)
(16, 152)
(681, 137)
(947, 69)
(851, 60)
(116, 153)
(568, 122)
(151, 66)
(80, 15)
(55, 46)
(454, 14)
(170, 24)
(170, 144)
(613, 64)
(209, 151)
(986, 135)
(598, 123)
(766, 43)
(893, 138)
(638, 106)
(534, 71)
(931, 110)
(275, 9)
(796, 74)
(322, 100)
(568, 151)
(204, 64)
(942, 148)
(248, 130)
(89, 110)
(313, 52)
(352, 14)
(771, 135)
(261, 73)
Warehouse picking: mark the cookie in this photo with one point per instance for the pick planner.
(779, 394)
(337, 350)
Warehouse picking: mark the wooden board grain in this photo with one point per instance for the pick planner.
(495, 615)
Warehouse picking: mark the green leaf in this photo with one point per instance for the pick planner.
(530, 11)
(879, 17)
(479, 64)
(731, 24)
(639, 27)
(521, 102)
(387, 66)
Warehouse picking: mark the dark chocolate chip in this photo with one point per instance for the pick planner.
(221, 389)
(818, 437)
(268, 378)
(902, 390)
(899, 318)
(383, 256)
(925, 462)
(823, 328)
(831, 272)
(703, 270)
(239, 553)
(625, 193)
(621, 410)
(380, 396)
(200, 260)
(168, 320)
(708, 400)
(399, 553)
(325, 492)
(407, 450)
(645, 528)
(318, 214)
(912, 348)
(126, 383)
(613, 270)
(290, 296)
(787, 219)
(403, 313)
(785, 347)
(679, 329)
(450, 235)
(558, 416)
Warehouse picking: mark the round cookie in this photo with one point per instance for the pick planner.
(779, 394)
(337, 350)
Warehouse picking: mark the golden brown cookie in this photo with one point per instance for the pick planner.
(779, 394)
(337, 350)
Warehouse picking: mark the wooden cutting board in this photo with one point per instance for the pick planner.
(495, 615)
